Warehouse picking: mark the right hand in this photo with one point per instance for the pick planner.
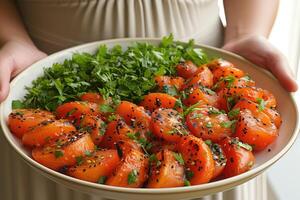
(15, 56)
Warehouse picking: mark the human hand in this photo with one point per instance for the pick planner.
(261, 52)
(15, 56)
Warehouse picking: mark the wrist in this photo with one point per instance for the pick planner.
(238, 33)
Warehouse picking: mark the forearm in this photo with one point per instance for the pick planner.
(11, 25)
(249, 17)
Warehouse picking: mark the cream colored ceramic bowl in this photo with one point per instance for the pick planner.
(288, 131)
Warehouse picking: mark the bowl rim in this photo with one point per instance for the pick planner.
(210, 185)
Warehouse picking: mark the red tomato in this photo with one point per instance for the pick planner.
(256, 129)
(203, 77)
(95, 166)
(132, 172)
(239, 158)
(167, 124)
(165, 82)
(166, 171)
(21, 121)
(64, 151)
(219, 158)
(195, 95)
(94, 98)
(186, 69)
(154, 101)
(233, 82)
(208, 123)
(198, 159)
(224, 71)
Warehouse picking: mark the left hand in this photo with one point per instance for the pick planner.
(261, 52)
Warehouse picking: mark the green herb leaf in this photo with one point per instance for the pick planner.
(132, 176)
(58, 153)
(261, 104)
(233, 113)
(179, 158)
(189, 174)
(227, 124)
(17, 104)
(79, 160)
(106, 108)
(187, 183)
(102, 179)
(209, 125)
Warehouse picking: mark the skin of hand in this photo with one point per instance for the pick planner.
(15, 56)
(258, 50)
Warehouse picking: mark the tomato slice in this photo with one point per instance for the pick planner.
(166, 83)
(165, 170)
(254, 107)
(209, 123)
(256, 129)
(233, 82)
(132, 172)
(239, 157)
(224, 71)
(202, 77)
(64, 150)
(154, 101)
(74, 110)
(168, 124)
(186, 69)
(21, 121)
(135, 116)
(47, 131)
(94, 125)
(95, 165)
(94, 98)
(195, 95)
(198, 159)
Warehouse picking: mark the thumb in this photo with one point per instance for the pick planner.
(5, 73)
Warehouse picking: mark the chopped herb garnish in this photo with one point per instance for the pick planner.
(111, 118)
(214, 111)
(192, 108)
(88, 153)
(208, 142)
(132, 176)
(105, 108)
(209, 125)
(187, 183)
(71, 112)
(102, 180)
(233, 113)
(58, 153)
(227, 124)
(179, 158)
(17, 104)
(171, 90)
(79, 160)
(189, 174)
(261, 104)
(245, 146)
(102, 128)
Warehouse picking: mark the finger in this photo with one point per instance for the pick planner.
(5, 72)
(278, 65)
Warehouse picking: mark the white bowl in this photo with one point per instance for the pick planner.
(288, 131)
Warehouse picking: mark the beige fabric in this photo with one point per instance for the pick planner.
(57, 24)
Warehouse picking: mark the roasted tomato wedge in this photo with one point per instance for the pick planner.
(154, 101)
(168, 124)
(208, 123)
(166, 170)
(47, 131)
(256, 129)
(254, 107)
(198, 159)
(218, 63)
(132, 172)
(94, 98)
(233, 82)
(95, 166)
(219, 158)
(94, 125)
(239, 157)
(116, 130)
(167, 83)
(224, 71)
(64, 150)
(21, 121)
(186, 69)
(227, 97)
(194, 95)
(74, 110)
(135, 116)
(202, 77)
